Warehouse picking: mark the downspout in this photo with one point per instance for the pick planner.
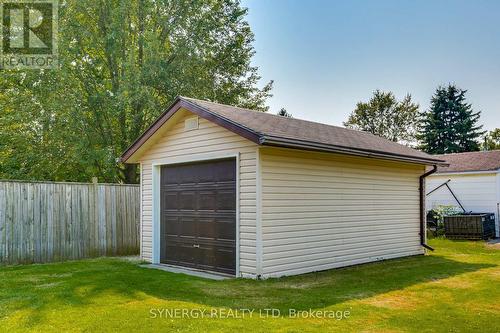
(422, 207)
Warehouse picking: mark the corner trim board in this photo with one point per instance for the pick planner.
(258, 219)
(141, 219)
(156, 174)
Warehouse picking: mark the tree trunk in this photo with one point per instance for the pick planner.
(130, 173)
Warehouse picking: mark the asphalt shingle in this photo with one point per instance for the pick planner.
(471, 161)
(296, 129)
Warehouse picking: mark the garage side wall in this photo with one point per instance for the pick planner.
(321, 211)
(208, 139)
(476, 192)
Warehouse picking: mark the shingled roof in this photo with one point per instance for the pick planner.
(272, 130)
(471, 161)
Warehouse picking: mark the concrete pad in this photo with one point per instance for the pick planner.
(188, 271)
(494, 243)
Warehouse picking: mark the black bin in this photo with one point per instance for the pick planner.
(470, 226)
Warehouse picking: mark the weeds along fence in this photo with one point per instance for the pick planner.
(48, 221)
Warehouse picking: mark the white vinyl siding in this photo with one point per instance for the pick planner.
(314, 211)
(177, 142)
(321, 211)
(476, 192)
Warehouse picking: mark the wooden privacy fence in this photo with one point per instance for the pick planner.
(44, 222)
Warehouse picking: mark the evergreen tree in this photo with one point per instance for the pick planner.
(450, 125)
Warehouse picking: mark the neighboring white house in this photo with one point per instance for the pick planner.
(251, 194)
(474, 179)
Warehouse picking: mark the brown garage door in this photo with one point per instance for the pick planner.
(198, 215)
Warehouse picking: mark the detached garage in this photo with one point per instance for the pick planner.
(249, 194)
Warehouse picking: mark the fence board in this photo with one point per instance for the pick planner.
(45, 222)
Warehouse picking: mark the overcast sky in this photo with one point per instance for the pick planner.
(325, 56)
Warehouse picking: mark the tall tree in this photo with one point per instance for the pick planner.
(450, 125)
(492, 140)
(284, 113)
(387, 117)
(122, 62)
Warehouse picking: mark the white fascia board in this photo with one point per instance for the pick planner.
(458, 173)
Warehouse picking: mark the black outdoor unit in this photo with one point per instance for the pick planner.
(470, 226)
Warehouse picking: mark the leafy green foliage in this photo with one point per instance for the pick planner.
(438, 213)
(450, 126)
(492, 140)
(387, 117)
(284, 113)
(121, 64)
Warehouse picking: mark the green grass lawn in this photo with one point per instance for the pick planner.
(454, 289)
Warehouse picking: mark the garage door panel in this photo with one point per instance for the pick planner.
(207, 257)
(225, 200)
(188, 228)
(180, 253)
(226, 172)
(173, 179)
(207, 229)
(199, 215)
(187, 200)
(224, 231)
(224, 259)
(204, 176)
(171, 226)
(187, 175)
(207, 200)
(179, 226)
(170, 201)
(217, 258)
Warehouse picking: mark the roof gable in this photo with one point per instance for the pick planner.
(272, 130)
